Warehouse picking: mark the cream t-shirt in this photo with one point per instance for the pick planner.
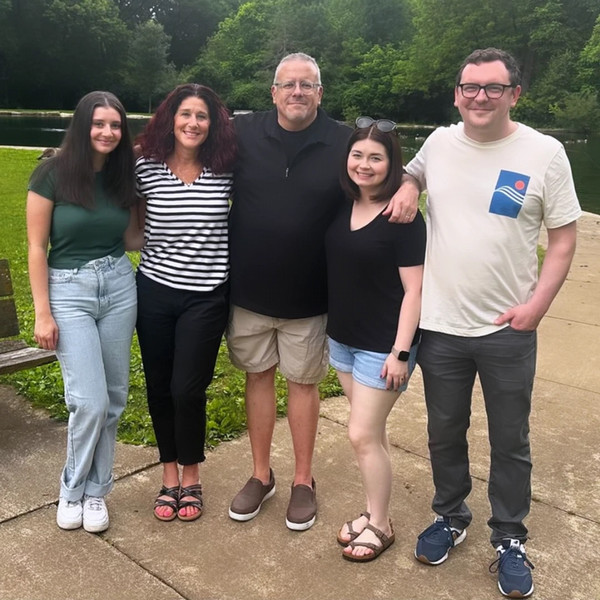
(485, 206)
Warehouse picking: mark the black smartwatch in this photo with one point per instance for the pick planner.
(401, 355)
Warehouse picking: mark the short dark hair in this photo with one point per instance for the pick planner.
(74, 163)
(391, 143)
(219, 150)
(490, 55)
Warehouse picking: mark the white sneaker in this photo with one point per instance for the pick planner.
(95, 514)
(69, 514)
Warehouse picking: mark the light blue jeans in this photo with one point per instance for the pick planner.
(95, 309)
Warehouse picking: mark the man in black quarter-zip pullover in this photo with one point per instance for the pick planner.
(286, 193)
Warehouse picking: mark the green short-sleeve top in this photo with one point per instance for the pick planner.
(77, 234)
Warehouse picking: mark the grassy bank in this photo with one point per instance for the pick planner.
(43, 386)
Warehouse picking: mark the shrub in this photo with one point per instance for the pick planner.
(578, 112)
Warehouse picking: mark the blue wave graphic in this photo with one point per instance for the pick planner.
(509, 195)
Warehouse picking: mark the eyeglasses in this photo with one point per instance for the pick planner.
(305, 86)
(384, 125)
(492, 90)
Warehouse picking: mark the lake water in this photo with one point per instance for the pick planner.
(44, 132)
(583, 151)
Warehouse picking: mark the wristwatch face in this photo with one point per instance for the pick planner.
(401, 355)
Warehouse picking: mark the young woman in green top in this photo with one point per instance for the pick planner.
(79, 205)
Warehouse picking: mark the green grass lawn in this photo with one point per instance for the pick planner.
(226, 416)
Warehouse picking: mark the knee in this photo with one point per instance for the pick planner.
(117, 405)
(305, 394)
(360, 438)
(262, 376)
(511, 447)
(447, 427)
(446, 441)
(94, 410)
(189, 386)
(184, 393)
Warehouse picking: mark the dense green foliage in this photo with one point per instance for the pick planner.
(226, 416)
(394, 58)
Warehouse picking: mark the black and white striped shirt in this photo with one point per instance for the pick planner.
(186, 227)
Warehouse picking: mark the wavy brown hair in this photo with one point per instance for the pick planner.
(219, 150)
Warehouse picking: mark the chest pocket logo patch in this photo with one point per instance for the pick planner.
(507, 199)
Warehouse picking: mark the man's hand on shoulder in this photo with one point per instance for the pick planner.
(404, 204)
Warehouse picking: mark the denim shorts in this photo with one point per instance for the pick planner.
(365, 365)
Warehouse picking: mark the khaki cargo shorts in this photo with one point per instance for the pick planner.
(258, 342)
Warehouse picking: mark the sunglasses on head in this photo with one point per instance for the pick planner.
(384, 125)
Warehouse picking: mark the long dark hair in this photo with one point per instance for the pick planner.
(219, 150)
(391, 143)
(74, 163)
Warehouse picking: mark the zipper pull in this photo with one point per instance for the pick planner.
(287, 170)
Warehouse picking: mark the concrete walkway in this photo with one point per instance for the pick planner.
(216, 558)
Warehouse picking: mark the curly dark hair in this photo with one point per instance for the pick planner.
(219, 150)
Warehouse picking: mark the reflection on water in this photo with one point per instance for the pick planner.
(583, 152)
(45, 131)
(584, 155)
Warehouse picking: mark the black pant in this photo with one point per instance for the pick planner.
(179, 333)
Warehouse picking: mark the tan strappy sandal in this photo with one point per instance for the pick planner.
(386, 542)
(353, 534)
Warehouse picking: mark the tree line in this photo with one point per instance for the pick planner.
(392, 58)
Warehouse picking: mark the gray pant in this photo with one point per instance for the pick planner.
(505, 362)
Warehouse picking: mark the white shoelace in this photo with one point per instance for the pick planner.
(95, 503)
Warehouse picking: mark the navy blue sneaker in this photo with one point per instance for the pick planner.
(435, 543)
(514, 570)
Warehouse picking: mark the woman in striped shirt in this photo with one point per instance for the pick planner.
(184, 177)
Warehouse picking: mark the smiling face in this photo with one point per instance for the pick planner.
(296, 109)
(105, 134)
(191, 124)
(485, 119)
(368, 165)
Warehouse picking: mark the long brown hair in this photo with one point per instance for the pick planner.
(74, 165)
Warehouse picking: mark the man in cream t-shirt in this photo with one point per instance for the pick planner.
(491, 184)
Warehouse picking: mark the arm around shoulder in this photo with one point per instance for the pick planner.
(404, 204)
(134, 234)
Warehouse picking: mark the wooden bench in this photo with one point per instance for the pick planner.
(15, 354)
